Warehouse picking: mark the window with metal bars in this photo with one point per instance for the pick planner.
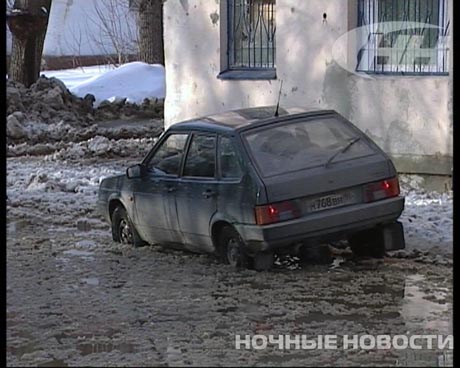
(403, 36)
(251, 34)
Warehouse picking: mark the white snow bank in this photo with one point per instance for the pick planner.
(134, 81)
(74, 77)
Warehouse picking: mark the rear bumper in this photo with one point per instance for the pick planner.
(331, 223)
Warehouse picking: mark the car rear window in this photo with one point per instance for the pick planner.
(304, 144)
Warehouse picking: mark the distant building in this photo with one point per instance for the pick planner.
(228, 54)
(82, 32)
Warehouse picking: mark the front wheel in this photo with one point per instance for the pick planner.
(123, 231)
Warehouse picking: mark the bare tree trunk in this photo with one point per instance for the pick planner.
(28, 25)
(40, 41)
(150, 25)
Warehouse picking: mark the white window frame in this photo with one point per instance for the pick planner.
(371, 38)
(252, 45)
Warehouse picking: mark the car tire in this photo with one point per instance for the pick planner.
(367, 243)
(231, 249)
(315, 254)
(123, 230)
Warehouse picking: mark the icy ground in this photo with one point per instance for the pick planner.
(74, 297)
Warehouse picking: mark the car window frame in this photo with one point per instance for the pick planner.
(297, 119)
(159, 144)
(237, 147)
(193, 133)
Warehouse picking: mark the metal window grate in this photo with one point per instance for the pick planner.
(251, 36)
(405, 50)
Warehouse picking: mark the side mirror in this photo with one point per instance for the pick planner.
(134, 171)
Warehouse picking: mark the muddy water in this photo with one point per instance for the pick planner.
(73, 304)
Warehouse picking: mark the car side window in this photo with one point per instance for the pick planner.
(201, 157)
(230, 165)
(168, 157)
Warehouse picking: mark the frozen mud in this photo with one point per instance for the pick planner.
(76, 298)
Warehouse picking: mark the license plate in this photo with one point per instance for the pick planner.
(331, 201)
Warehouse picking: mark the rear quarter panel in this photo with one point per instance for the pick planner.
(237, 197)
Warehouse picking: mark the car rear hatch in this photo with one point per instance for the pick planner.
(345, 177)
(310, 191)
(311, 166)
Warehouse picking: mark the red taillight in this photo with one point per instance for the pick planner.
(382, 189)
(276, 212)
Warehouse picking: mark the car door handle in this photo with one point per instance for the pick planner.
(170, 189)
(208, 194)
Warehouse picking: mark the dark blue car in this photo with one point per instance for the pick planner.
(249, 183)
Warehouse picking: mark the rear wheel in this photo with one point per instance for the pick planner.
(368, 243)
(315, 254)
(123, 231)
(231, 248)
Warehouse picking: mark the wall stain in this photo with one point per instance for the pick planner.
(399, 139)
(184, 4)
(214, 18)
(338, 89)
(69, 3)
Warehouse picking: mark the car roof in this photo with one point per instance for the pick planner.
(248, 118)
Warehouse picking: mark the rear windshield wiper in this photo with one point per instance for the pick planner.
(342, 150)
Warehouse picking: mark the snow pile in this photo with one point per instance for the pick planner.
(64, 142)
(102, 147)
(132, 82)
(48, 109)
(46, 101)
(410, 183)
(36, 179)
(74, 77)
(429, 216)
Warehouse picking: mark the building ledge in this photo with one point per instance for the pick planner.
(248, 74)
(423, 164)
